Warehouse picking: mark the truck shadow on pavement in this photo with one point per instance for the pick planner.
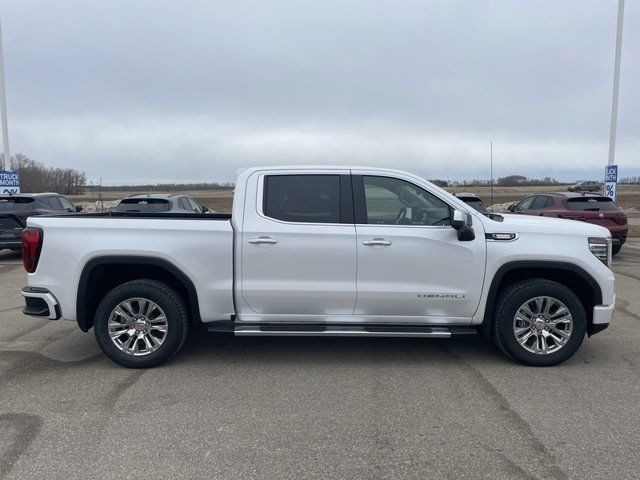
(328, 350)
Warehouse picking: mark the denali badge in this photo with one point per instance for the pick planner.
(444, 296)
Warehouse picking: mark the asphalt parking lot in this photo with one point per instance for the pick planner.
(317, 408)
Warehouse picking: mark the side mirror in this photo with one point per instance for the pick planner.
(204, 209)
(459, 219)
(463, 223)
(512, 207)
(78, 208)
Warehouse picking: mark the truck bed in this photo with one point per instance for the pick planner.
(200, 249)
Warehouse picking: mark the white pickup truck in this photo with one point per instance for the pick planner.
(323, 251)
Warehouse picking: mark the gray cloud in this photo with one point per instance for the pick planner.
(184, 90)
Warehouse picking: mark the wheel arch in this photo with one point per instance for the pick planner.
(102, 274)
(570, 275)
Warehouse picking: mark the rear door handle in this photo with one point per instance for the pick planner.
(268, 240)
(377, 241)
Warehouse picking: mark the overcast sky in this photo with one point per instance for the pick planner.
(133, 90)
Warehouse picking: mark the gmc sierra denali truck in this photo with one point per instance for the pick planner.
(323, 251)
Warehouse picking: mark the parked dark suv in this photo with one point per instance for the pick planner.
(586, 207)
(15, 209)
(474, 201)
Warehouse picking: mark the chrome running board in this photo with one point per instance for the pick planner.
(347, 331)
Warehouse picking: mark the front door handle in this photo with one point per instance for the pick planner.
(377, 241)
(268, 240)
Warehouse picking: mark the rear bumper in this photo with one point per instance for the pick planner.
(40, 302)
(10, 239)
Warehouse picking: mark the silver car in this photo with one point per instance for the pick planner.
(587, 186)
(160, 203)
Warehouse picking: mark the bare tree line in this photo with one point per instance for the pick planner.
(161, 187)
(630, 180)
(508, 181)
(35, 177)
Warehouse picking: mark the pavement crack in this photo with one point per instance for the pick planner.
(22, 429)
(13, 338)
(10, 309)
(111, 398)
(514, 470)
(634, 277)
(553, 470)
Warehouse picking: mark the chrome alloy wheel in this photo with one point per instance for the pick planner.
(137, 326)
(543, 325)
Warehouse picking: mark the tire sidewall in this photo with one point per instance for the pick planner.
(518, 296)
(172, 310)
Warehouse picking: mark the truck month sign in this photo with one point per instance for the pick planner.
(9, 182)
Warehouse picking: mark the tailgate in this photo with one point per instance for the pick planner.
(10, 222)
(10, 230)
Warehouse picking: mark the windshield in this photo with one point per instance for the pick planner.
(591, 203)
(15, 204)
(145, 205)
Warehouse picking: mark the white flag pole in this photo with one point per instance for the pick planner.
(616, 83)
(3, 110)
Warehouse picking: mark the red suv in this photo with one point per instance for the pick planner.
(585, 207)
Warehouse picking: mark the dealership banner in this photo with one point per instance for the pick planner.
(611, 181)
(9, 182)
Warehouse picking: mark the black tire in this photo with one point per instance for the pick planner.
(615, 248)
(513, 297)
(167, 299)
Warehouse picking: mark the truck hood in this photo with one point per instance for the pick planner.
(531, 224)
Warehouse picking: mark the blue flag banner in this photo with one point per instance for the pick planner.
(611, 181)
(9, 182)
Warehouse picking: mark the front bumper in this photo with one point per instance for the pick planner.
(40, 302)
(602, 315)
(618, 238)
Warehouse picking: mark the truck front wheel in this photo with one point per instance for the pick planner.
(539, 322)
(141, 323)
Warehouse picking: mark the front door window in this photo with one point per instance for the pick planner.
(391, 201)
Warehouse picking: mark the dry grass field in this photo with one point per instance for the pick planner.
(220, 200)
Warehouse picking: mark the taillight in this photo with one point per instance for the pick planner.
(571, 216)
(31, 246)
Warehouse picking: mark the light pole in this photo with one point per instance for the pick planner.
(616, 83)
(3, 110)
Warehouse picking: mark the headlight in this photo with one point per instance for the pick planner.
(601, 248)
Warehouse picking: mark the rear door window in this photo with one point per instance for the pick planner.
(541, 202)
(51, 202)
(16, 204)
(302, 198)
(182, 203)
(591, 203)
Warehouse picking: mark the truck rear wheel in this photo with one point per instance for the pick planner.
(539, 322)
(141, 323)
